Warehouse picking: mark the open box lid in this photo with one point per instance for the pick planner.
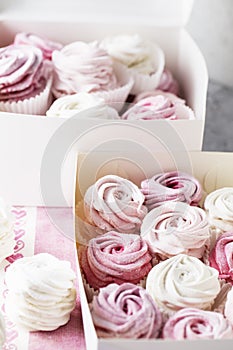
(151, 12)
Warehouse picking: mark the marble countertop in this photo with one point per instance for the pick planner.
(218, 134)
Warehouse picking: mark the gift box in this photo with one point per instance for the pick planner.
(25, 138)
(213, 170)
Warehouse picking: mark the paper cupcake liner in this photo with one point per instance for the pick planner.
(184, 112)
(116, 98)
(90, 292)
(146, 82)
(220, 300)
(36, 105)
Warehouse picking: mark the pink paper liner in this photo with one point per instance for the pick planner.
(36, 105)
(116, 98)
(146, 82)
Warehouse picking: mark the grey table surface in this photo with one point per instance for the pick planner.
(218, 135)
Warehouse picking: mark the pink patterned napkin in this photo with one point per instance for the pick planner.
(36, 233)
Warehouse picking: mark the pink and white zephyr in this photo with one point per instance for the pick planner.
(114, 203)
(45, 45)
(176, 228)
(190, 323)
(173, 186)
(23, 74)
(82, 67)
(115, 258)
(159, 105)
(125, 311)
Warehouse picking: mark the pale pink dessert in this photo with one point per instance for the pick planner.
(152, 93)
(168, 82)
(176, 228)
(159, 106)
(221, 256)
(23, 74)
(125, 311)
(115, 258)
(45, 45)
(197, 324)
(82, 67)
(114, 203)
(171, 186)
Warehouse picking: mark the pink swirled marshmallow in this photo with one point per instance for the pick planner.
(114, 203)
(171, 186)
(115, 258)
(221, 256)
(125, 311)
(159, 106)
(190, 323)
(45, 45)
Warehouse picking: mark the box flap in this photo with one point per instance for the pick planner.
(156, 12)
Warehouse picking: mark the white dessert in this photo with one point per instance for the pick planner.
(71, 105)
(41, 292)
(7, 241)
(183, 281)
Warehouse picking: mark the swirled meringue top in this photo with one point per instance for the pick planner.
(23, 74)
(171, 186)
(183, 281)
(82, 67)
(219, 205)
(70, 105)
(41, 292)
(221, 256)
(132, 51)
(114, 203)
(115, 258)
(198, 324)
(125, 311)
(7, 238)
(160, 106)
(45, 45)
(176, 228)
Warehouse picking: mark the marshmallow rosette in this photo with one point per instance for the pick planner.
(168, 83)
(25, 80)
(45, 45)
(85, 67)
(2, 331)
(195, 324)
(115, 258)
(159, 105)
(143, 59)
(183, 281)
(176, 228)
(7, 237)
(153, 93)
(125, 311)
(221, 256)
(71, 105)
(41, 292)
(219, 206)
(171, 186)
(114, 203)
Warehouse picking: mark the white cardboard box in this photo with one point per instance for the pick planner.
(24, 139)
(213, 170)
